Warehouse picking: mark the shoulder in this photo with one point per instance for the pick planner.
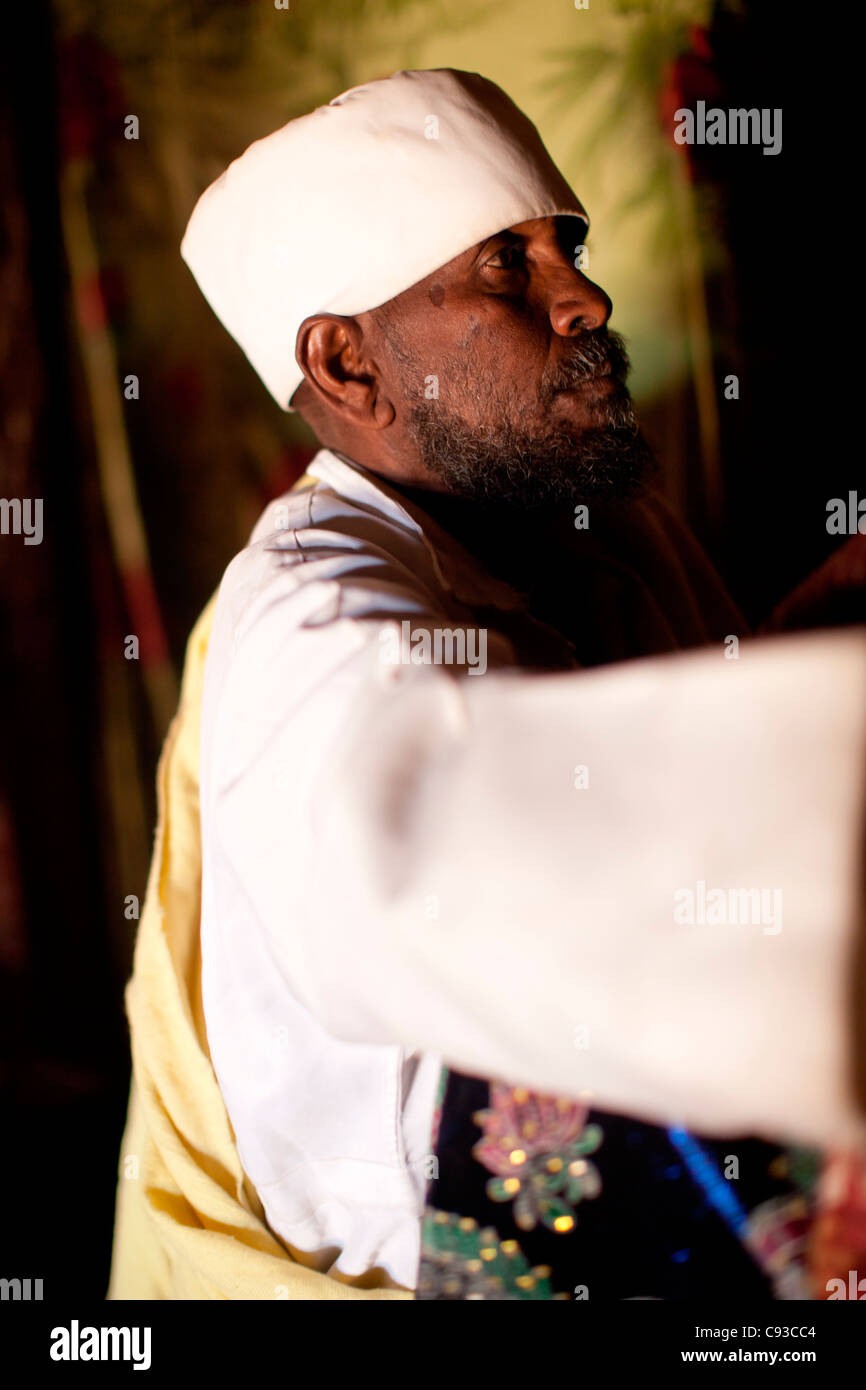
(312, 548)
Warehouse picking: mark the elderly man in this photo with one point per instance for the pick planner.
(627, 898)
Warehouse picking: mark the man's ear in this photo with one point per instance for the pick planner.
(330, 350)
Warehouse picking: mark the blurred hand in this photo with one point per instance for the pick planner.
(838, 1238)
(834, 595)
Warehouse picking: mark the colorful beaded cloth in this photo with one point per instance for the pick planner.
(536, 1197)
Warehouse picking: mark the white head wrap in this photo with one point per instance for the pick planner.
(345, 208)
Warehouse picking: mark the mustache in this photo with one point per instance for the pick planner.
(599, 353)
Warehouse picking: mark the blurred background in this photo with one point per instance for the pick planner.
(128, 409)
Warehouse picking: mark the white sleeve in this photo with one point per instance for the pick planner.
(427, 872)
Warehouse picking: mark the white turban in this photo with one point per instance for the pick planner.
(344, 208)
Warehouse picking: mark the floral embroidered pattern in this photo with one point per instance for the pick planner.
(460, 1260)
(536, 1146)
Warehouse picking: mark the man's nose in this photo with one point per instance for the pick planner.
(576, 304)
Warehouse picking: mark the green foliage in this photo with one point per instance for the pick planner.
(202, 54)
(622, 79)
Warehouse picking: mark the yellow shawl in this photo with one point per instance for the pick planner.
(188, 1223)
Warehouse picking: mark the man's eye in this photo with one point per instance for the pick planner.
(507, 258)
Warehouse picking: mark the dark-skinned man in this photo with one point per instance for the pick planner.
(492, 969)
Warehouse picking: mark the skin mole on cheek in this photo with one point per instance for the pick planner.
(437, 295)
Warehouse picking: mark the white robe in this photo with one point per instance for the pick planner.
(401, 867)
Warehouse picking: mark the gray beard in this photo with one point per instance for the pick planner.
(505, 464)
(515, 462)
